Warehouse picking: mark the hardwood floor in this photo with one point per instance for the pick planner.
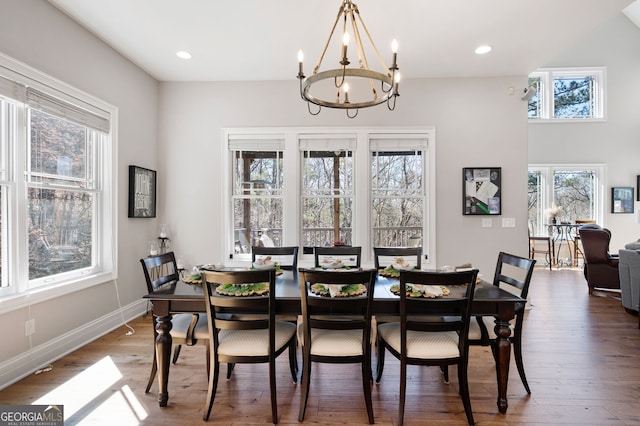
(582, 358)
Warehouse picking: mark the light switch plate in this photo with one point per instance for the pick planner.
(487, 223)
(509, 222)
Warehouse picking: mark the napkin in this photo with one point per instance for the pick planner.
(430, 290)
(335, 289)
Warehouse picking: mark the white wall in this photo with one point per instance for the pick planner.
(40, 36)
(477, 124)
(615, 142)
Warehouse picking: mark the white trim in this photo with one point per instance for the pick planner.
(18, 367)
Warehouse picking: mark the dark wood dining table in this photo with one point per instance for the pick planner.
(179, 297)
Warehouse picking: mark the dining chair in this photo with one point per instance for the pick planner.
(418, 340)
(513, 273)
(577, 250)
(534, 248)
(285, 257)
(336, 324)
(187, 329)
(243, 328)
(349, 256)
(385, 256)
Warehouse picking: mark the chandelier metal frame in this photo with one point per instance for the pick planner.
(388, 80)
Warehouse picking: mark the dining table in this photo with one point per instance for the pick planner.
(181, 297)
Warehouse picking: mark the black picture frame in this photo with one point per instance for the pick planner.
(142, 192)
(622, 199)
(481, 191)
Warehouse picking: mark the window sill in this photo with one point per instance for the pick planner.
(41, 294)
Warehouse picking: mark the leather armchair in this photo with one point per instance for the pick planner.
(601, 267)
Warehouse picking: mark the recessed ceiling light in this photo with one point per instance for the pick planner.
(481, 50)
(183, 55)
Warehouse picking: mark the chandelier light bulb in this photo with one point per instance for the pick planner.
(345, 87)
(300, 59)
(345, 39)
(394, 46)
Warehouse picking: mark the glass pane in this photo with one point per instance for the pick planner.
(257, 222)
(3, 235)
(397, 203)
(326, 221)
(573, 97)
(327, 198)
(534, 202)
(397, 173)
(60, 231)
(257, 172)
(574, 191)
(328, 173)
(58, 147)
(534, 105)
(397, 222)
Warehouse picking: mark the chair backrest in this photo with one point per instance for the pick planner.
(285, 257)
(320, 310)
(515, 272)
(160, 270)
(226, 292)
(350, 256)
(385, 256)
(456, 306)
(595, 243)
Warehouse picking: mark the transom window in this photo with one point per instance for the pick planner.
(565, 94)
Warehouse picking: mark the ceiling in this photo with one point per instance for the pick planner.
(259, 39)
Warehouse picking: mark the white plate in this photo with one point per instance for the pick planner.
(404, 267)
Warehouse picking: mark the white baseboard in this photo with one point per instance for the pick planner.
(30, 361)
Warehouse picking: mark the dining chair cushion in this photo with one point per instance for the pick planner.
(253, 342)
(422, 345)
(336, 342)
(180, 328)
(489, 323)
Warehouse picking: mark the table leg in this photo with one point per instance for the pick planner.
(163, 357)
(502, 356)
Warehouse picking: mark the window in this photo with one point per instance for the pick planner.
(397, 192)
(327, 192)
(576, 189)
(257, 193)
(56, 200)
(567, 94)
(330, 186)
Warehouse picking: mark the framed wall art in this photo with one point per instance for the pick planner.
(638, 188)
(622, 199)
(142, 192)
(481, 191)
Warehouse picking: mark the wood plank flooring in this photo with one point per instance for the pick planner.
(582, 358)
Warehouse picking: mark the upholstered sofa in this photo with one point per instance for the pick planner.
(629, 269)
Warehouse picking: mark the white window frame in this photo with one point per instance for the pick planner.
(547, 172)
(21, 291)
(546, 95)
(361, 224)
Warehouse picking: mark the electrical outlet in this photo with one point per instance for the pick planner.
(30, 327)
(487, 223)
(509, 222)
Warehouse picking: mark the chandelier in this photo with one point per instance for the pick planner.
(350, 88)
